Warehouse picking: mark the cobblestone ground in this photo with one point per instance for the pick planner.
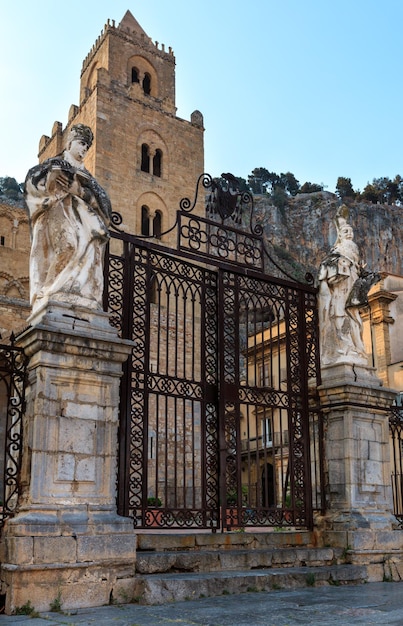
(374, 603)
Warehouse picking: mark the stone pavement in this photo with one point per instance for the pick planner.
(367, 604)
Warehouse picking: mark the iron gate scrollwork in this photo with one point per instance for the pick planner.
(217, 428)
(396, 454)
(13, 368)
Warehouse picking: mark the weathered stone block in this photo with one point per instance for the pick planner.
(33, 524)
(389, 540)
(83, 411)
(18, 550)
(65, 467)
(76, 586)
(85, 470)
(77, 436)
(336, 470)
(55, 550)
(362, 540)
(335, 538)
(372, 476)
(106, 547)
(375, 572)
(155, 542)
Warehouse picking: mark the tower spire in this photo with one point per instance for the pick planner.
(130, 23)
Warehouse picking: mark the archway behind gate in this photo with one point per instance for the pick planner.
(221, 382)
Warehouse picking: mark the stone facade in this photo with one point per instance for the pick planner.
(382, 330)
(14, 264)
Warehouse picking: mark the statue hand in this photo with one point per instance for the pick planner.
(60, 181)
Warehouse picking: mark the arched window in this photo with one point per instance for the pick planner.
(147, 84)
(157, 163)
(145, 220)
(145, 158)
(135, 75)
(157, 225)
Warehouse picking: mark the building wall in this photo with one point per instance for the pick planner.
(14, 268)
(382, 326)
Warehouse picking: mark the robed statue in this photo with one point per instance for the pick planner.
(69, 215)
(343, 289)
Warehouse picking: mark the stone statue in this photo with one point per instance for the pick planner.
(343, 288)
(70, 215)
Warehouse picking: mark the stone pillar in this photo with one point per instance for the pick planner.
(379, 301)
(67, 542)
(359, 515)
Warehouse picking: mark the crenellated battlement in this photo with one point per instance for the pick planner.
(129, 34)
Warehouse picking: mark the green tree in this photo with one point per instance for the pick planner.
(398, 180)
(289, 183)
(370, 193)
(274, 181)
(392, 191)
(279, 197)
(263, 181)
(242, 184)
(10, 188)
(383, 190)
(344, 188)
(310, 188)
(259, 179)
(384, 187)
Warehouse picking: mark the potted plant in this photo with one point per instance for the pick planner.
(154, 513)
(231, 512)
(152, 501)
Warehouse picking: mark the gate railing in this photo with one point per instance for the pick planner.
(396, 459)
(13, 368)
(218, 424)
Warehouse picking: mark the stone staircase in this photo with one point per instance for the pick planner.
(172, 567)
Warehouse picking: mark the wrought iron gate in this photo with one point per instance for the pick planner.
(217, 429)
(396, 459)
(13, 367)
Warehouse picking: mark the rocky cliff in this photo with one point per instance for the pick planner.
(300, 234)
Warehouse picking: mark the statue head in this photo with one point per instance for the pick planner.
(82, 132)
(344, 230)
(345, 243)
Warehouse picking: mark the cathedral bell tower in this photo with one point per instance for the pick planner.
(144, 156)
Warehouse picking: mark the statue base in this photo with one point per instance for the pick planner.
(349, 373)
(365, 538)
(359, 517)
(67, 543)
(68, 317)
(75, 556)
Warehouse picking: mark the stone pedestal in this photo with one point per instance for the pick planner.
(67, 543)
(357, 451)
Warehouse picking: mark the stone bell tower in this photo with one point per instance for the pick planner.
(144, 156)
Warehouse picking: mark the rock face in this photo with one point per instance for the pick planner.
(300, 234)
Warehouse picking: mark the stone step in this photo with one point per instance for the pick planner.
(162, 588)
(225, 541)
(151, 562)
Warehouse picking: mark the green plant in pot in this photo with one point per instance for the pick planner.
(153, 501)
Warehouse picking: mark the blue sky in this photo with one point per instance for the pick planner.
(308, 86)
